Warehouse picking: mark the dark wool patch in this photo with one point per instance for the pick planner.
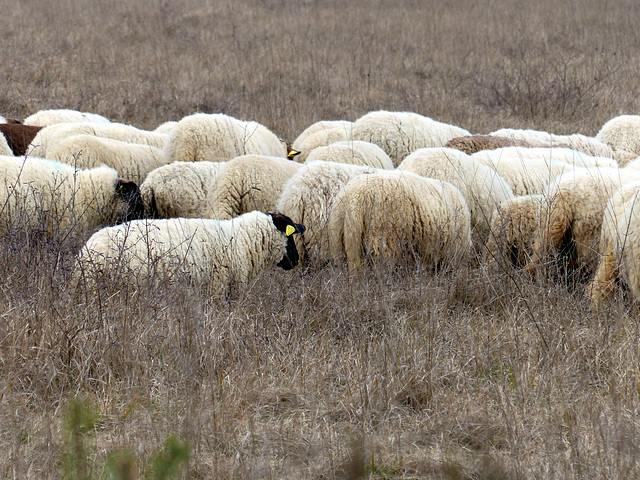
(18, 136)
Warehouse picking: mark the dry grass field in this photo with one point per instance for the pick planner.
(390, 373)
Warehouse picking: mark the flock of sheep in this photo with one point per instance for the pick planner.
(190, 197)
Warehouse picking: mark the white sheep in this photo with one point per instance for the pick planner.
(218, 254)
(44, 118)
(54, 197)
(320, 134)
(525, 176)
(399, 215)
(400, 133)
(180, 189)
(132, 161)
(308, 198)
(40, 143)
(114, 131)
(513, 226)
(571, 215)
(613, 238)
(622, 133)
(589, 145)
(247, 183)
(354, 152)
(572, 157)
(482, 188)
(219, 138)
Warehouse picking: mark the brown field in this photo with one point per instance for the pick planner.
(392, 373)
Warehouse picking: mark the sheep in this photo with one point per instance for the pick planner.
(571, 216)
(622, 133)
(55, 196)
(399, 214)
(219, 138)
(18, 137)
(566, 155)
(44, 118)
(180, 189)
(321, 126)
(40, 143)
(482, 188)
(308, 198)
(114, 131)
(513, 226)
(476, 143)
(248, 182)
(613, 238)
(588, 145)
(524, 176)
(218, 254)
(626, 254)
(400, 133)
(320, 134)
(355, 152)
(132, 161)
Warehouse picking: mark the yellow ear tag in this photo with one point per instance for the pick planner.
(292, 153)
(290, 230)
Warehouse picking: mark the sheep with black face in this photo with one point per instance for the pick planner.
(214, 253)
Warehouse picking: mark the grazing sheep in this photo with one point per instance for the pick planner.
(567, 155)
(44, 118)
(354, 152)
(18, 137)
(247, 183)
(219, 254)
(400, 133)
(476, 143)
(308, 198)
(622, 133)
(40, 143)
(588, 145)
(320, 134)
(399, 215)
(55, 196)
(613, 238)
(219, 138)
(525, 176)
(513, 226)
(132, 161)
(571, 216)
(482, 188)
(180, 189)
(114, 131)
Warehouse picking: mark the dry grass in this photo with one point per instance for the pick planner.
(392, 373)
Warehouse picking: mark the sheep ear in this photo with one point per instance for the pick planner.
(285, 224)
(291, 153)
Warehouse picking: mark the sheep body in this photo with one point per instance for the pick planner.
(475, 143)
(114, 131)
(249, 182)
(180, 189)
(525, 176)
(219, 138)
(308, 198)
(482, 188)
(399, 214)
(319, 126)
(513, 226)
(132, 161)
(217, 253)
(567, 155)
(44, 118)
(572, 214)
(320, 138)
(55, 197)
(400, 133)
(622, 133)
(354, 152)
